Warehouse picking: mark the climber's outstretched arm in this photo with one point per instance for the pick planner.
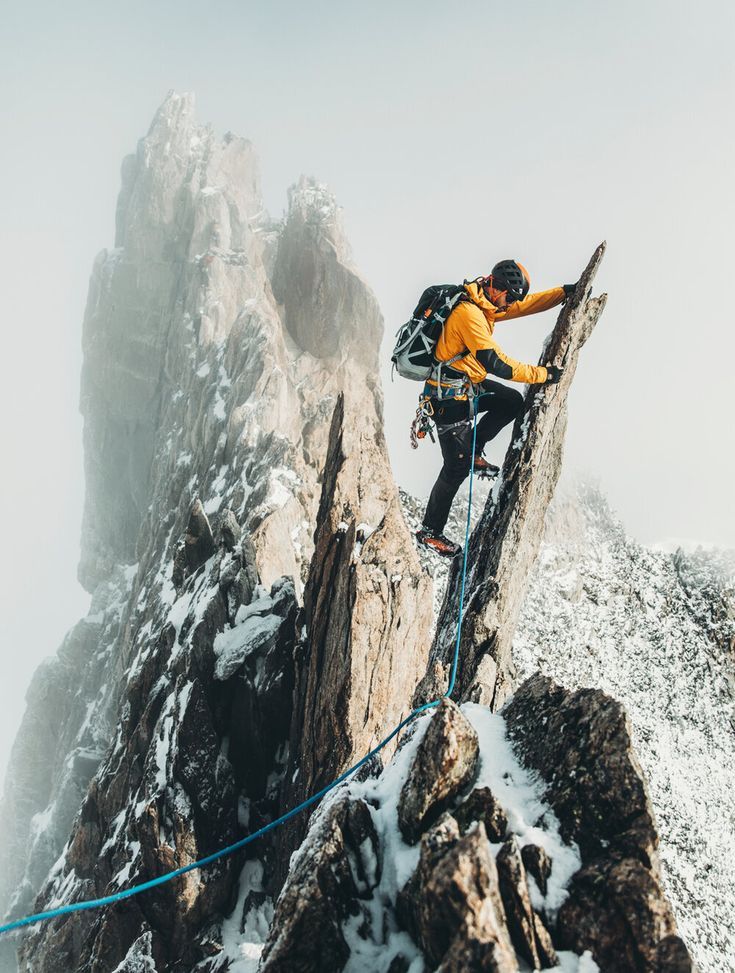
(533, 304)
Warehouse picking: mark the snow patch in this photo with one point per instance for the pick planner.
(362, 532)
(280, 488)
(243, 937)
(219, 407)
(530, 819)
(123, 875)
(255, 625)
(519, 792)
(571, 963)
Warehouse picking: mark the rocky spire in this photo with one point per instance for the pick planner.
(208, 408)
(366, 618)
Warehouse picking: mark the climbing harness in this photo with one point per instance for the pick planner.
(424, 419)
(449, 387)
(310, 801)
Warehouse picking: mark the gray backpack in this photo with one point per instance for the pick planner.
(413, 355)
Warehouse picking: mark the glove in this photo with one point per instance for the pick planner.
(569, 289)
(553, 374)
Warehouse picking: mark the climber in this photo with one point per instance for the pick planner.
(467, 344)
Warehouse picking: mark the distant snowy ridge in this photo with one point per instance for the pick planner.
(671, 545)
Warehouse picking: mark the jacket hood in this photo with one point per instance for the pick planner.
(477, 296)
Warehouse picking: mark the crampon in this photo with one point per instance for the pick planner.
(485, 470)
(438, 543)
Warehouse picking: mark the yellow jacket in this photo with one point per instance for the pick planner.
(470, 328)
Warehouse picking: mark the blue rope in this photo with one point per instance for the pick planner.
(455, 660)
(230, 849)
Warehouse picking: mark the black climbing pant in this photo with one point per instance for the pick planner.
(500, 405)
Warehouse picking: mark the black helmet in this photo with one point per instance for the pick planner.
(510, 276)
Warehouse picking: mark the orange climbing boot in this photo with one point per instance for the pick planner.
(437, 543)
(484, 469)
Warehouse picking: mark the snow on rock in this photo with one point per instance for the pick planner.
(359, 912)
(139, 958)
(519, 792)
(244, 932)
(654, 630)
(257, 626)
(445, 763)
(303, 903)
(571, 963)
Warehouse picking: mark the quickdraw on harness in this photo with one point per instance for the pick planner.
(422, 423)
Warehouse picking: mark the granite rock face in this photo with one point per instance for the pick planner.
(527, 931)
(481, 805)
(219, 344)
(365, 631)
(460, 919)
(445, 764)
(580, 744)
(194, 748)
(327, 883)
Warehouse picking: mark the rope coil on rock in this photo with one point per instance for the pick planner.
(315, 798)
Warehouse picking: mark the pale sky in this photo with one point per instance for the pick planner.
(453, 135)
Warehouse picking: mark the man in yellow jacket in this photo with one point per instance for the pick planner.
(472, 355)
